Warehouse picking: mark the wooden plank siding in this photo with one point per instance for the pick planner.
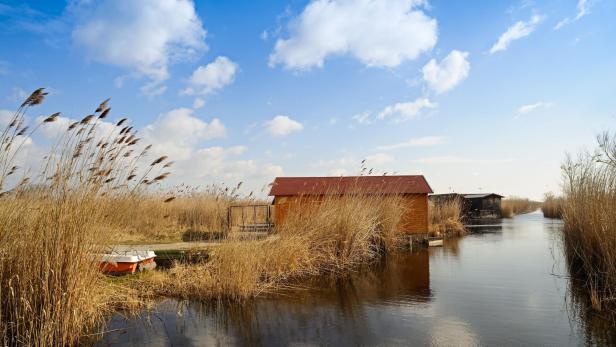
(414, 221)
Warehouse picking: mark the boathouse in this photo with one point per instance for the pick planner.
(481, 205)
(293, 192)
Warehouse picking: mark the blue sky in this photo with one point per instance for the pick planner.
(475, 95)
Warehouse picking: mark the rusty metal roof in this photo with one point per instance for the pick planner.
(286, 186)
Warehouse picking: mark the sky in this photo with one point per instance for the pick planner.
(477, 96)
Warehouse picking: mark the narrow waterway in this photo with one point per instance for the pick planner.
(504, 285)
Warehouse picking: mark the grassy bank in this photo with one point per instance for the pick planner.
(330, 237)
(514, 206)
(445, 218)
(589, 214)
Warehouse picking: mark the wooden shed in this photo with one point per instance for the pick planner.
(481, 205)
(486, 205)
(291, 192)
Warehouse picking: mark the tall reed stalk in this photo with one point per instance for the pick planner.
(445, 218)
(589, 213)
(50, 290)
(552, 206)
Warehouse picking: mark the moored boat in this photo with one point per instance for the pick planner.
(435, 241)
(127, 262)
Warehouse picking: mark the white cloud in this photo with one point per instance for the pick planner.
(142, 36)
(224, 165)
(407, 110)
(517, 31)
(363, 118)
(212, 77)
(198, 103)
(583, 9)
(176, 132)
(416, 142)
(445, 75)
(524, 109)
(378, 159)
(380, 33)
(562, 23)
(272, 170)
(282, 126)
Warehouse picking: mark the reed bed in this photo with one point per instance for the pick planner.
(331, 237)
(513, 206)
(51, 292)
(445, 218)
(589, 214)
(552, 206)
(146, 217)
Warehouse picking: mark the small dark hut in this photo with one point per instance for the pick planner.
(487, 205)
(483, 205)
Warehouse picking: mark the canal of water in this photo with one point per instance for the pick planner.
(504, 285)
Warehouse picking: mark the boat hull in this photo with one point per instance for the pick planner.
(127, 263)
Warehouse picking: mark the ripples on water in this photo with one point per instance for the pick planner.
(503, 285)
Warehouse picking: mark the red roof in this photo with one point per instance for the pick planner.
(285, 186)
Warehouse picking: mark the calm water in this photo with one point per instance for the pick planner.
(503, 285)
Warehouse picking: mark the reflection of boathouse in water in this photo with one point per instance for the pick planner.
(339, 310)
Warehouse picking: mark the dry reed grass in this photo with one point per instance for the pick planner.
(445, 218)
(589, 214)
(50, 290)
(146, 217)
(552, 206)
(328, 237)
(513, 206)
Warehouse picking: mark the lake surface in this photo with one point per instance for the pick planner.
(503, 285)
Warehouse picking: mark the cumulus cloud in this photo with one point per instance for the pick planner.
(142, 36)
(214, 76)
(176, 132)
(525, 109)
(445, 75)
(282, 126)
(380, 33)
(515, 32)
(225, 165)
(404, 111)
(415, 142)
(583, 8)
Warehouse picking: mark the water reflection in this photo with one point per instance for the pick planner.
(504, 286)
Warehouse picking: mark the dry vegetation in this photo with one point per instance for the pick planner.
(589, 213)
(331, 237)
(514, 206)
(93, 189)
(146, 217)
(445, 218)
(552, 206)
(50, 290)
